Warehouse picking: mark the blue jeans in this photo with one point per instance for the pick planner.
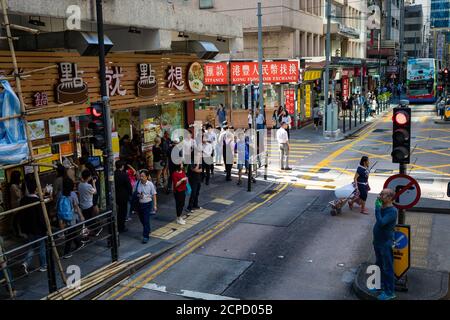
(144, 216)
(385, 260)
(259, 126)
(42, 252)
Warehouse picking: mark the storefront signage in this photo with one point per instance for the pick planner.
(40, 99)
(274, 71)
(289, 100)
(175, 78)
(113, 86)
(71, 88)
(345, 87)
(37, 129)
(311, 75)
(196, 77)
(58, 127)
(216, 73)
(345, 61)
(146, 86)
(308, 101)
(348, 72)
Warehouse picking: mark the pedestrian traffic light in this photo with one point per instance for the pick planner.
(97, 125)
(401, 135)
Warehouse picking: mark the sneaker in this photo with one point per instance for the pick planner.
(189, 211)
(25, 268)
(181, 221)
(98, 232)
(287, 168)
(385, 296)
(43, 269)
(145, 240)
(197, 208)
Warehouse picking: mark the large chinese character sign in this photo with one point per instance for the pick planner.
(146, 87)
(175, 78)
(71, 87)
(113, 76)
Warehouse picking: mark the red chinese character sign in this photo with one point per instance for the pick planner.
(71, 87)
(216, 73)
(175, 78)
(289, 100)
(274, 71)
(146, 86)
(113, 76)
(345, 87)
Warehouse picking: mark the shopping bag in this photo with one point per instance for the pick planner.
(188, 189)
(344, 191)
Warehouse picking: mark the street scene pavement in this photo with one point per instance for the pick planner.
(287, 245)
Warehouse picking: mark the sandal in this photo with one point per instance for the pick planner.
(350, 205)
(364, 211)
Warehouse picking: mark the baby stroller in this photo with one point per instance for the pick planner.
(343, 195)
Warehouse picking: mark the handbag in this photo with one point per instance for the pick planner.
(134, 203)
(188, 189)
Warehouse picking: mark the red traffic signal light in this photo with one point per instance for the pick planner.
(446, 71)
(401, 118)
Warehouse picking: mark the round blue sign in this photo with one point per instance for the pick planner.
(401, 240)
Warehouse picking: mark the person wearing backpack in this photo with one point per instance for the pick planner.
(69, 214)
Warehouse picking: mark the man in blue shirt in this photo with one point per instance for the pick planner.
(221, 114)
(383, 240)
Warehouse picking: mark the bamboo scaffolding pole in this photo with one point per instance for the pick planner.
(22, 28)
(38, 110)
(11, 117)
(30, 146)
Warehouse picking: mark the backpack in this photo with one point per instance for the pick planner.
(65, 208)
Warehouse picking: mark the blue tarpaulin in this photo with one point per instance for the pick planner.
(13, 142)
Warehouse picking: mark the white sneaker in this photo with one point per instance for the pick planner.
(181, 221)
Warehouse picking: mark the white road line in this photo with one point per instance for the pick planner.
(187, 293)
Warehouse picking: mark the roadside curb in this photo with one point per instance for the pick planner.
(430, 210)
(442, 122)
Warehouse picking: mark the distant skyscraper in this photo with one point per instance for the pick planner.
(440, 14)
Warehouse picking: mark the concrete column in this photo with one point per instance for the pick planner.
(310, 44)
(297, 44)
(316, 45)
(304, 44)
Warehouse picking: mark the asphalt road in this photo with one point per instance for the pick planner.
(286, 245)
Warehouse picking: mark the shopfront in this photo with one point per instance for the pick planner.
(235, 85)
(149, 94)
(309, 93)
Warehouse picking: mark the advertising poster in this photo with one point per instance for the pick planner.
(58, 127)
(308, 101)
(37, 129)
(289, 101)
(123, 123)
(152, 129)
(172, 117)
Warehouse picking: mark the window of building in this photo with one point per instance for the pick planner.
(206, 4)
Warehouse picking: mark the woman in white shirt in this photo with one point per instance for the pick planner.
(286, 118)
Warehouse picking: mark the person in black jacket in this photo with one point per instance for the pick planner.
(123, 194)
(33, 225)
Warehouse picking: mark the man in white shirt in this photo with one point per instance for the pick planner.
(259, 120)
(146, 192)
(283, 142)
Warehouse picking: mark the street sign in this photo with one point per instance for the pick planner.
(407, 190)
(401, 250)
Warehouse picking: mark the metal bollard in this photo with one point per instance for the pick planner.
(343, 121)
(356, 117)
(349, 119)
(360, 114)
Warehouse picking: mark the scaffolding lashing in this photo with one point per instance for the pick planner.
(17, 76)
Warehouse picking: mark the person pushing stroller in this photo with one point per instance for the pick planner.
(361, 182)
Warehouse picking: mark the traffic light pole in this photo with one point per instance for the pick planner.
(401, 212)
(108, 155)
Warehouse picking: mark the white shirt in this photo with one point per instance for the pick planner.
(260, 119)
(287, 119)
(249, 117)
(207, 149)
(86, 191)
(282, 136)
(145, 191)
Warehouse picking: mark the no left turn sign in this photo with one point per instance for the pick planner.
(407, 190)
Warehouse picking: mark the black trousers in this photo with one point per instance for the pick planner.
(193, 200)
(207, 170)
(228, 168)
(122, 207)
(180, 198)
(72, 236)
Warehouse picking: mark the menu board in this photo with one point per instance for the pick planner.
(37, 129)
(59, 126)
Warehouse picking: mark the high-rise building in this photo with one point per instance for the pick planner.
(440, 24)
(414, 31)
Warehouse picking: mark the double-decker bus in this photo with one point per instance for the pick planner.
(421, 80)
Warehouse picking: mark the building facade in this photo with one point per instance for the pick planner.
(414, 31)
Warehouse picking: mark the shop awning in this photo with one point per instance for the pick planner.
(311, 75)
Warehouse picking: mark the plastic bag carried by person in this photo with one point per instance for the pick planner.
(344, 191)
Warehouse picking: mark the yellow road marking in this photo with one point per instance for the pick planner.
(430, 170)
(433, 151)
(372, 155)
(420, 138)
(379, 142)
(172, 259)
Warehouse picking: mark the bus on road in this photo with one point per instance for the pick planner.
(421, 80)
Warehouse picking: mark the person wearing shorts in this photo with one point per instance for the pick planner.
(362, 183)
